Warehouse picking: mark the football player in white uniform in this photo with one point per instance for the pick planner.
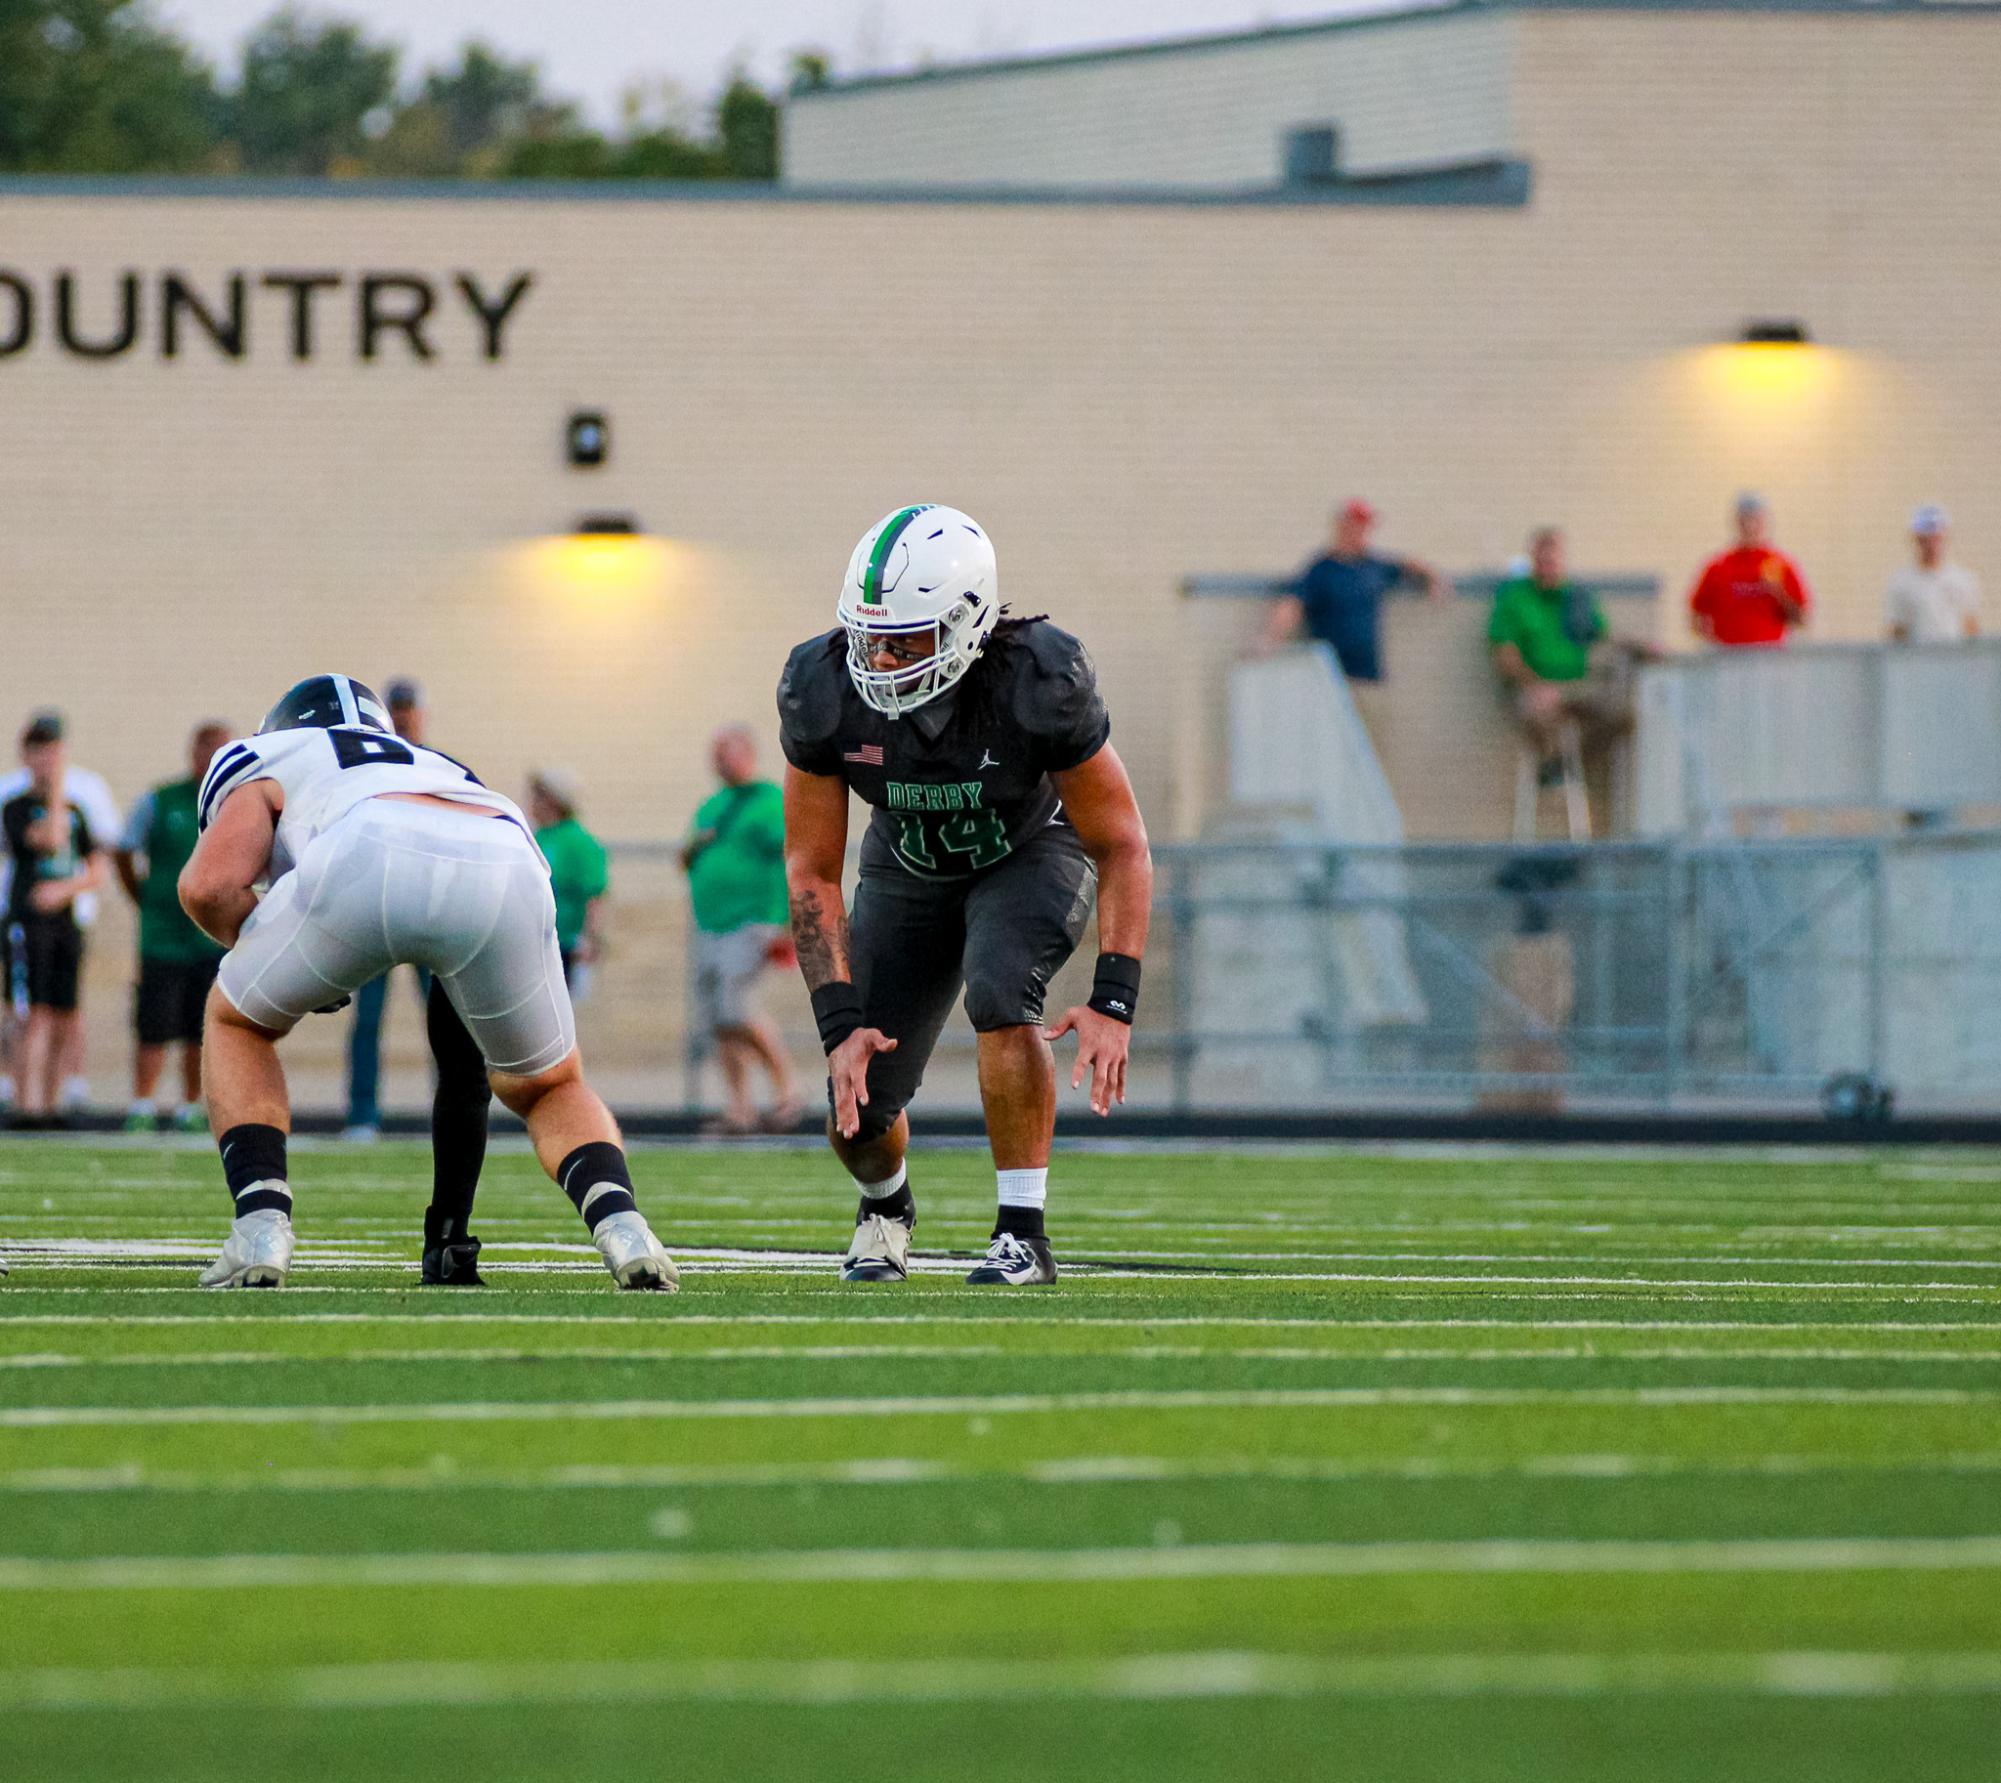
(378, 853)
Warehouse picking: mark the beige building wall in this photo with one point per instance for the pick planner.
(1418, 93)
(1126, 394)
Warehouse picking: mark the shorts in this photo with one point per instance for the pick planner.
(1003, 935)
(168, 1002)
(44, 961)
(390, 884)
(727, 968)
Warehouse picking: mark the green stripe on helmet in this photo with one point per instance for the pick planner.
(885, 542)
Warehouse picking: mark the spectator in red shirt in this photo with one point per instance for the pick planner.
(1753, 593)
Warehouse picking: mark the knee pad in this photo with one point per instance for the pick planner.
(877, 1115)
(992, 1004)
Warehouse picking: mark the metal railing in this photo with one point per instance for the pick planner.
(1301, 976)
(1751, 973)
(1827, 726)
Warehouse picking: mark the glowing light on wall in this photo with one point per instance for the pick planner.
(601, 562)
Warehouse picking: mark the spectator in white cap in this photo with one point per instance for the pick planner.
(1929, 600)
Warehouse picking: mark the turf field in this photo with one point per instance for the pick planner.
(1467, 1466)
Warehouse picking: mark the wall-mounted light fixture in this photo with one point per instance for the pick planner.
(608, 526)
(587, 439)
(1775, 332)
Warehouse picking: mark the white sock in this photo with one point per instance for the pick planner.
(142, 1105)
(1023, 1188)
(881, 1191)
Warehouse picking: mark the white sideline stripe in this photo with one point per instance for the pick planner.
(351, 1249)
(969, 1405)
(1002, 1565)
(989, 1351)
(82, 1253)
(1074, 1470)
(223, 1320)
(1132, 1677)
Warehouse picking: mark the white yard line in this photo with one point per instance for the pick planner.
(699, 1261)
(985, 1351)
(1141, 1677)
(877, 1471)
(967, 1405)
(1002, 1565)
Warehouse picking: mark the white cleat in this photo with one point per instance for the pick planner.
(256, 1254)
(880, 1251)
(634, 1256)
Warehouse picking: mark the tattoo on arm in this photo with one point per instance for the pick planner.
(820, 933)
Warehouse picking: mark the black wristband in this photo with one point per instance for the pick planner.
(838, 1011)
(1115, 987)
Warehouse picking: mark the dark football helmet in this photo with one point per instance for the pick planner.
(327, 702)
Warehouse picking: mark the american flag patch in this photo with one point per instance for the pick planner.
(869, 755)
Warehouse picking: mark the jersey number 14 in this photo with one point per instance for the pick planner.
(979, 835)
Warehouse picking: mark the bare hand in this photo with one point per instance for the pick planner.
(847, 1064)
(50, 898)
(1103, 1045)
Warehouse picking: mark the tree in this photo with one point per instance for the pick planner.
(747, 130)
(311, 89)
(96, 86)
(811, 70)
(485, 100)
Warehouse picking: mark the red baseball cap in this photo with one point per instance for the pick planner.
(1360, 512)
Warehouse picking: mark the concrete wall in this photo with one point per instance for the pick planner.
(1417, 94)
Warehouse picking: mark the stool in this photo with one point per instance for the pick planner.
(1568, 762)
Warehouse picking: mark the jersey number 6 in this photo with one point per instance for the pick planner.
(357, 749)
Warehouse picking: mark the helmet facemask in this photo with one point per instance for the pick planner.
(961, 634)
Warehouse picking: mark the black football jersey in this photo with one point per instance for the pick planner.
(957, 785)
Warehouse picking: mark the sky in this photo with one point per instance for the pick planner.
(592, 50)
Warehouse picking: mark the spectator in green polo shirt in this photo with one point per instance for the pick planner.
(1543, 633)
(579, 872)
(177, 962)
(735, 856)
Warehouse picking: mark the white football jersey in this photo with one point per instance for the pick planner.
(325, 773)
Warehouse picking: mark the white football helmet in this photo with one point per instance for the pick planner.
(917, 569)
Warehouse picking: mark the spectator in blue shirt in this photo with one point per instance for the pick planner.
(1339, 596)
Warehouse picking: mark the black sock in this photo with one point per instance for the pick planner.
(900, 1206)
(459, 1108)
(597, 1182)
(253, 1154)
(1023, 1222)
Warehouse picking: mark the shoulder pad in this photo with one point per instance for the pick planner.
(812, 689)
(1056, 681)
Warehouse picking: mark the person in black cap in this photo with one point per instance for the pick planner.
(54, 858)
(405, 700)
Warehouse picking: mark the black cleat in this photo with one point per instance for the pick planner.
(1014, 1262)
(451, 1257)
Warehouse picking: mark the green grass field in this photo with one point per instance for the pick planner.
(1454, 1465)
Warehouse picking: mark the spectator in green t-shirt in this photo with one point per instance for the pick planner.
(579, 872)
(1544, 634)
(735, 856)
(177, 962)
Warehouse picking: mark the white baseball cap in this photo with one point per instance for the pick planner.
(1929, 521)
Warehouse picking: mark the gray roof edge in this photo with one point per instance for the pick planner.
(1503, 184)
(1390, 17)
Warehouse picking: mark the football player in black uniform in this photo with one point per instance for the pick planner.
(999, 806)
